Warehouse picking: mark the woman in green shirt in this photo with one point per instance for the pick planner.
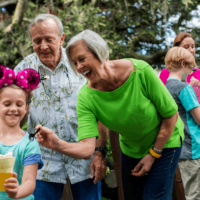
(127, 97)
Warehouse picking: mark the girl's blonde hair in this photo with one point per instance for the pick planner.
(176, 55)
(14, 87)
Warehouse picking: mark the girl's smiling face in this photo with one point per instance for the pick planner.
(12, 106)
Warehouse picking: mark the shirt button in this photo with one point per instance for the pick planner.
(55, 91)
(53, 74)
(61, 127)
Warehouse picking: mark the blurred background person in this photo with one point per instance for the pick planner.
(180, 64)
(186, 41)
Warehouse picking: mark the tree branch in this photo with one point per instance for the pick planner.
(18, 16)
(4, 3)
(150, 59)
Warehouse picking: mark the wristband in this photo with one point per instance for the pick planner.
(154, 154)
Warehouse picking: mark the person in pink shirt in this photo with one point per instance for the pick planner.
(186, 41)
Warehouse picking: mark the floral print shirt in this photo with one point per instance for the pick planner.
(54, 106)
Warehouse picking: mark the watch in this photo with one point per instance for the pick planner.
(157, 151)
(103, 150)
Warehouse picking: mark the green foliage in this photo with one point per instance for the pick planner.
(109, 154)
(24, 127)
(127, 26)
(103, 198)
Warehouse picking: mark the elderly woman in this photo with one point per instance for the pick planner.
(180, 64)
(127, 97)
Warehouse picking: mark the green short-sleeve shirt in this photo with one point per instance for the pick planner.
(135, 110)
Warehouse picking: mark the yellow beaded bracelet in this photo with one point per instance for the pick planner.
(154, 154)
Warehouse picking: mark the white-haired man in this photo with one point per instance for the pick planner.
(54, 106)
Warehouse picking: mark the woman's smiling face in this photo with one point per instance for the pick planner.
(188, 43)
(85, 61)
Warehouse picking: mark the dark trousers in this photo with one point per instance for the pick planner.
(157, 185)
(84, 190)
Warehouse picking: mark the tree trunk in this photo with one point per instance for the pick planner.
(18, 16)
(178, 190)
(116, 153)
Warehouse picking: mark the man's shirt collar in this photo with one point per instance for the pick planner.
(63, 61)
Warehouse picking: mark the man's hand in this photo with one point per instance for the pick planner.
(143, 166)
(12, 186)
(46, 137)
(98, 165)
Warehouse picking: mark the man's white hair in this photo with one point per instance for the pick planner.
(43, 17)
(94, 42)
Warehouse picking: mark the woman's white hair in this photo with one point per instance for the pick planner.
(42, 17)
(94, 42)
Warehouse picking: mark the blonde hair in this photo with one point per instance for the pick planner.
(176, 55)
(14, 87)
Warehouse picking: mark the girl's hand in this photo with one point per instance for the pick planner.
(12, 186)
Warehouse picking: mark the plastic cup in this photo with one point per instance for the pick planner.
(3, 177)
(6, 166)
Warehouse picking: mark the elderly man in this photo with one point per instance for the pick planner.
(54, 106)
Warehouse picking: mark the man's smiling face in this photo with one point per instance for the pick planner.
(46, 42)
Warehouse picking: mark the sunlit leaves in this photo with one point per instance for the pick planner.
(129, 27)
(186, 2)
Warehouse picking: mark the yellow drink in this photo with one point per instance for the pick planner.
(3, 177)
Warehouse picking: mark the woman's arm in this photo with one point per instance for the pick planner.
(165, 132)
(27, 187)
(84, 149)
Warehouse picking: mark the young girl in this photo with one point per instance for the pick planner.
(180, 64)
(13, 107)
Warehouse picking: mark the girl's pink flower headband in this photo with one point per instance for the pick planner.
(26, 79)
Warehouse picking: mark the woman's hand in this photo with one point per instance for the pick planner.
(46, 137)
(12, 186)
(144, 166)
